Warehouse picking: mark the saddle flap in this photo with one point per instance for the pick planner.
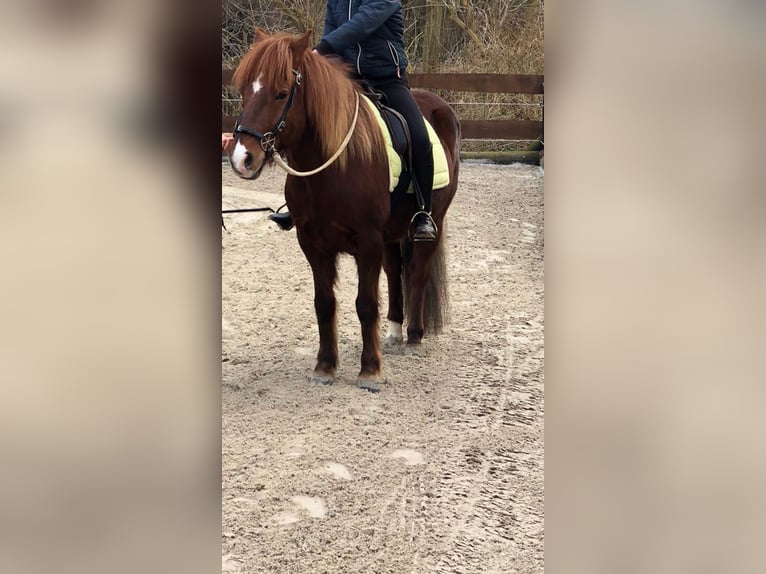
(396, 134)
(397, 127)
(400, 133)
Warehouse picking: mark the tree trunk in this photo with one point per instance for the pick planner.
(435, 35)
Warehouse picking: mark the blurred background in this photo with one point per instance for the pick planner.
(110, 299)
(655, 271)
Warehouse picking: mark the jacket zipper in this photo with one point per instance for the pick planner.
(358, 60)
(359, 55)
(394, 57)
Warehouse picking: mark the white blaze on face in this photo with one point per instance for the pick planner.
(239, 154)
(257, 86)
(238, 157)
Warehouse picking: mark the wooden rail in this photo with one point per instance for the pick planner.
(486, 83)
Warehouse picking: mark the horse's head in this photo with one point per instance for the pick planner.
(268, 79)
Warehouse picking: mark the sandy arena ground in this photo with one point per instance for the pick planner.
(442, 471)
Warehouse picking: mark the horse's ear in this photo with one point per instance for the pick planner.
(299, 46)
(260, 34)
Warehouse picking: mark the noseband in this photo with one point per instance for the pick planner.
(268, 140)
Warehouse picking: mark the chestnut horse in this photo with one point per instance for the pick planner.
(306, 107)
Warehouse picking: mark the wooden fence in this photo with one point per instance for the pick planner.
(517, 129)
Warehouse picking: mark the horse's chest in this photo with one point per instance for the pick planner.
(332, 237)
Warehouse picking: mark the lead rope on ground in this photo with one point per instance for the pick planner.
(243, 210)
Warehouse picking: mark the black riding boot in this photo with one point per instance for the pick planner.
(425, 228)
(284, 220)
(423, 223)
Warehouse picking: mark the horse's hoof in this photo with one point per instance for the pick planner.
(322, 379)
(372, 384)
(393, 345)
(393, 349)
(414, 350)
(414, 340)
(392, 341)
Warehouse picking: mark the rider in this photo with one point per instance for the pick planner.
(369, 34)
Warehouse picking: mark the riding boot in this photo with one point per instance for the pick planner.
(284, 220)
(424, 225)
(425, 228)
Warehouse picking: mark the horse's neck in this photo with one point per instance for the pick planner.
(344, 85)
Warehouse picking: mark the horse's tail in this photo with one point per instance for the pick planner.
(436, 304)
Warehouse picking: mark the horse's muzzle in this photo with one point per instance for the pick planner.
(245, 164)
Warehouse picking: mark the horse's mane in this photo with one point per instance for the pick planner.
(328, 95)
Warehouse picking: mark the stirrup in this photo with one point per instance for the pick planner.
(430, 219)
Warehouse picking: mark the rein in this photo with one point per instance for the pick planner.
(281, 163)
(268, 140)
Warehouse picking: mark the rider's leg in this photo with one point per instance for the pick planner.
(399, 97)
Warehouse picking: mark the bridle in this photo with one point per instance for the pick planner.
(268, 140)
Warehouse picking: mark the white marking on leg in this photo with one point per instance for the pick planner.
(257, 86)
(394, 334)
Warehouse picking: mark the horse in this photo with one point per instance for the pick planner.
(307, 107)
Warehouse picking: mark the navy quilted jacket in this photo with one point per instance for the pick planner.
(366, 33)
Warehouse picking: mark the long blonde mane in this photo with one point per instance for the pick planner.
(327, 92)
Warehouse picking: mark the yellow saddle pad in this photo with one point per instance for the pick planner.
(441, 171)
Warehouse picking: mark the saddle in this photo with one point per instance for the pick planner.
(400, 147)
(400, 136)
(397, 127)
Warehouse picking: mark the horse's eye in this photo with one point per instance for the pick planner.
(281, 96)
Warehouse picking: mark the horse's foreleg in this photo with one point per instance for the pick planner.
(392, 263)
(419, 275)
(324, 270)
(369, 261)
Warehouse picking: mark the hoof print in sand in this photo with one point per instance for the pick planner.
(312, 506)
(338, 471)
(229, 564)
(410, 457)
